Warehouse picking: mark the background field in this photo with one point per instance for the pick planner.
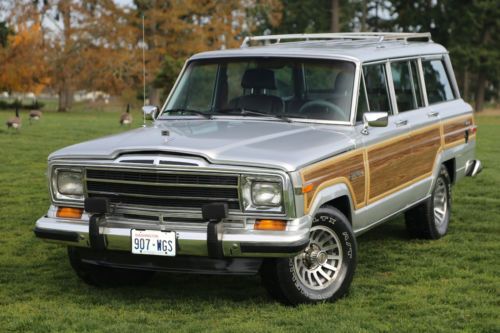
(401, 285)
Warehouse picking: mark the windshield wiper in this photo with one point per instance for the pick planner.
(203, 114)
(245, 112)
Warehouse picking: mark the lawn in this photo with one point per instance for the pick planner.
(401, 284)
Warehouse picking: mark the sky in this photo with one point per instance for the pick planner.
(124, 2)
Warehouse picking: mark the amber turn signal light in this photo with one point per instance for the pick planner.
(270, 225)
(69, 212)
(307, 188)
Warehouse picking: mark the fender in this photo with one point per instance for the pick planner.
(328, 194)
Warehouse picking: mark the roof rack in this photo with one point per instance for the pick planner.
(373, 36)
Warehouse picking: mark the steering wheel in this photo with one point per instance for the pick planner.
(330, 107)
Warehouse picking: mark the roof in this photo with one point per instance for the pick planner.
(362, 47)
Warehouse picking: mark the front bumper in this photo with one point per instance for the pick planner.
(191, 241)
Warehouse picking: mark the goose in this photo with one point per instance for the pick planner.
(126, 118)
(14, 122)
(35, 115)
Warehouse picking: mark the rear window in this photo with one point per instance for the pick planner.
(437, 81)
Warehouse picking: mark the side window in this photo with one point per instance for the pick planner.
(437, 82)
(406, 85)
(284, 81)
(417, 86)
(197, 92)
(376, 88)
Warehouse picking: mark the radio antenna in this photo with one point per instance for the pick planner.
(143, 69)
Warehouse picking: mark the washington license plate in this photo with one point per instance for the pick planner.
(153, 242)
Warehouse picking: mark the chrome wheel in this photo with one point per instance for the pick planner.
(440, 202)
(318, 265)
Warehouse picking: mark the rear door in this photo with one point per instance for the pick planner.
(422, 122)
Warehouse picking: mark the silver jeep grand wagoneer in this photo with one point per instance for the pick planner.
(270, 159)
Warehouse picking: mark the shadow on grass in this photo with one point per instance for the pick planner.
(57, 280)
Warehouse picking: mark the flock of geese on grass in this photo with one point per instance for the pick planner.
(35, 115)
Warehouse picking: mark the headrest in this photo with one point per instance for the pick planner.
(258, 78)
(342, 82)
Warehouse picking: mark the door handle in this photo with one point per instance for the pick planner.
(432, 114)
(401, 123)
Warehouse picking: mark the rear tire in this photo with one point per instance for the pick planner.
(101, 276)
(430, 220)
(323, 271)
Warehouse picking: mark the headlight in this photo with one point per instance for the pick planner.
(262, 193)
(266, 194)
(67, 184)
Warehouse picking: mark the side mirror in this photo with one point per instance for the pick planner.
(150, 111)
(374, 119)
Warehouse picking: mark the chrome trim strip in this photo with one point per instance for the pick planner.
(131, 182)
(135, 195)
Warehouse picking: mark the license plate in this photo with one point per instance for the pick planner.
(153, 242)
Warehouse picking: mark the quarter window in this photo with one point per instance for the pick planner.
(437, 82)
(376, 88)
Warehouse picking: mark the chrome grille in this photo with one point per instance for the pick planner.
(181, 190)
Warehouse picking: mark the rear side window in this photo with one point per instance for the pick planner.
(437, 81)
(406, 85)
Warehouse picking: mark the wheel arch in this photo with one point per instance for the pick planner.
(338, 196)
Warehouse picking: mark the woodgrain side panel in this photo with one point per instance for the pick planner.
(389, 164)
(376, 171)
(426, 144)
(348, 169)
(454, 130)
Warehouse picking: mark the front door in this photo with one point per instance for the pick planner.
(388, 149)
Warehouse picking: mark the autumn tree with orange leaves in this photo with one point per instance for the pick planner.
(22, 60)
(175, 30)
(70, 45)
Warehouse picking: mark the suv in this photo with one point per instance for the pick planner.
(270, 159)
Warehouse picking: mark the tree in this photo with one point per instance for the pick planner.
(469, 29)
(4, 34)
(22, 63)
(174, 30)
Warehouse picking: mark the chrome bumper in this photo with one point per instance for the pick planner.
(235, 242)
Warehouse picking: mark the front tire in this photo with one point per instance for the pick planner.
(430, 220)
(100, 276)
(323, 271)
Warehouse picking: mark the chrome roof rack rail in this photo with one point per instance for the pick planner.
(374, 36)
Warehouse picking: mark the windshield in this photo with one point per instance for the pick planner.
(278, 87)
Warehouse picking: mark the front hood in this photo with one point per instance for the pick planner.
(246, 142)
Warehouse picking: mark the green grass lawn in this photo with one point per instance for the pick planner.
(401, 284)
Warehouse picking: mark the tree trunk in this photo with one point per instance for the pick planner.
(363, 15)
(481, 87)
(65, 92)
(335, 16)
(65, 98)
(466, 85)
